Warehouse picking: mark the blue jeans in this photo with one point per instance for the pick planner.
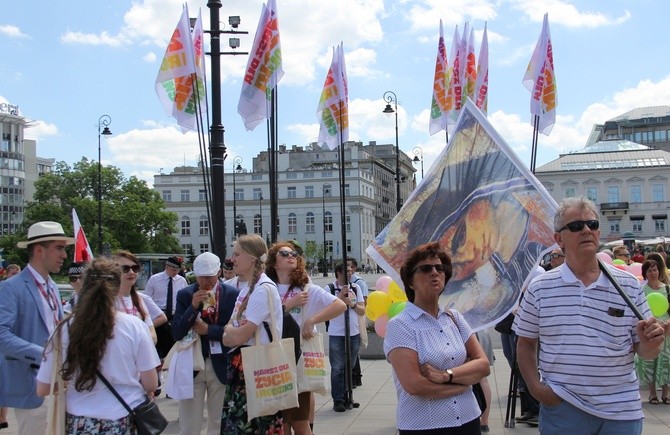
(566, 418)
(337, 361)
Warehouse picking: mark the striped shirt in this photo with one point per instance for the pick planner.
(586, 337)
(438, 342)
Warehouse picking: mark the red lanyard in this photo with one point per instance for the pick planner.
(50, 301)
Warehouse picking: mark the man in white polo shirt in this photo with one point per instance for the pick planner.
(585, 332)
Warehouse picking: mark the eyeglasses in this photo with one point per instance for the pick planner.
(75, 278)
(556, 255)
(428, 268)
(125, 268)
(285, 254)
(623, 254)
(576, 226)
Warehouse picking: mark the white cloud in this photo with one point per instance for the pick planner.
(39, 130)
(12, 31)
(103, 38)
(150, 57)
(142, 150)
(426, 14)
(567, 14)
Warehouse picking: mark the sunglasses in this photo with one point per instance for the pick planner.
(428, 268)
(125, 268)
(556, 255)
(576, 226)
(75, 278)
(285, 254)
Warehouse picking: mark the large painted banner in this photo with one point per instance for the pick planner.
(486, 209)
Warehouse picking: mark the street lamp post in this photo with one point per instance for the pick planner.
(260, 214)
(103, 122)
(326, 189)
(237, 166)
(418, 151)
(391, 97)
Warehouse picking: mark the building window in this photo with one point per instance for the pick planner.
(347, 191)
(308, 175)
(292, 223)
(659, 225)
(637, 226)
(291, 192)
(328, 222)
(291, 175)
(204, 226)
(256, 177)
(258, 224)
(347, 222)
(570, 192)
(239, 194)
(187, 247)
(612, 194)
(257, 193)
(329, 247)
(657, 192)
(309, 191)
(309, 222)
(636, 193)
(185, 196)
(185, 226)
(204, 247)
(201, 195)
(167, 195)
(326, 174)
(614, 226)
(349, 246)
(592, 193)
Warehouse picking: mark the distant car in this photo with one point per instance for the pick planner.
(66, 292)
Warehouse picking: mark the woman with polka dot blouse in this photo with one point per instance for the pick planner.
(435, 356)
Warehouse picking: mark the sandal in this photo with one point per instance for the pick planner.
(654, 400)
(665, 400)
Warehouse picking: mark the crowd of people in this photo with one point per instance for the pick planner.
(570, 322)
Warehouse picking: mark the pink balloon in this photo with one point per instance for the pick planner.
(604, 257)
(383, 283)
(635, 269)
(380, 325)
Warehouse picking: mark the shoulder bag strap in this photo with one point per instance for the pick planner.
(119, 398)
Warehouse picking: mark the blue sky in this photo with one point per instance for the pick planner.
(66, 64)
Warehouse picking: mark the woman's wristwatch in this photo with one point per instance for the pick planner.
(451, 376)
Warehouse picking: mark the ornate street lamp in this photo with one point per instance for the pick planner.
(418, 151)
(103, 122)
(391, 97)
(237, 167)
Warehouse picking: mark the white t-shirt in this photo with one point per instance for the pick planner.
(257, 310)
(317, 301)
(125, 305)
(129, 352)
(336, 326)
(152, 308)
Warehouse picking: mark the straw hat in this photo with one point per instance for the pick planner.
(45, 231)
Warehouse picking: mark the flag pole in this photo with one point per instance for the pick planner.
(533, 150)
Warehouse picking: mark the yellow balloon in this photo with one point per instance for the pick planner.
(396, 293)
(377, 304)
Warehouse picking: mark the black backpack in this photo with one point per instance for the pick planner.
(290, 329)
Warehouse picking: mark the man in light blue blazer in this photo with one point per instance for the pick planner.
(30, 309)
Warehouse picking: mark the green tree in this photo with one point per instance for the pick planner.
(133, 215)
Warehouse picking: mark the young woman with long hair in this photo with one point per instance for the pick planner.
(251, 310)
(98, 337)
(129, 300)
(309, 304)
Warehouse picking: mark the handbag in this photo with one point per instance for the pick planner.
(191, 339)
(477, 389)
(313, 367)
(56, 400)
(147, 417)
(270, 373)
